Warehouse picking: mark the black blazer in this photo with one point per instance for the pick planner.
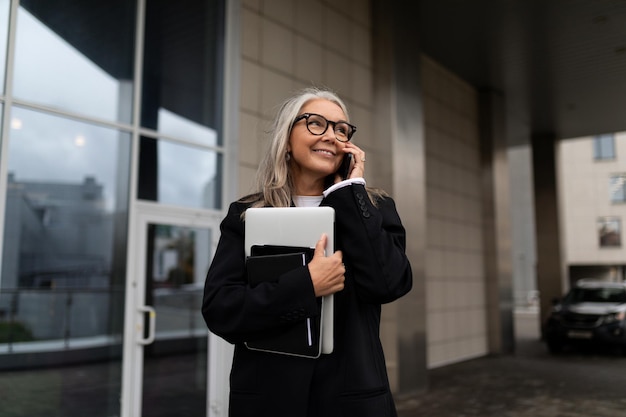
(350, 382)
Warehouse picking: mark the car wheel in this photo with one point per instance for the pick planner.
(555, 346)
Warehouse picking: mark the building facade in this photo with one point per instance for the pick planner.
(592, 173)
(128, 127)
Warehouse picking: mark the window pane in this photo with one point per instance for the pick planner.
(181, 68)
(4, 33)
(64, 257)
(609, 231)
(86, 49)
(172, 124)
(597, 149)
(604, 147)
(181, 175)
(617, 188)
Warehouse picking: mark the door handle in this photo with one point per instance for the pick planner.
(151, 325)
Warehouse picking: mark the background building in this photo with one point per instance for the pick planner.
(128, 126)
(592, 174)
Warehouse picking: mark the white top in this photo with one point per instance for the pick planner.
(307, 200)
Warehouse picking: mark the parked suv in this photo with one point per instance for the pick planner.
(592, 312)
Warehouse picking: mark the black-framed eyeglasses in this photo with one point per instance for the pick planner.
(318, 124)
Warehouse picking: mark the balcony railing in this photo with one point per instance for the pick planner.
(49, 321)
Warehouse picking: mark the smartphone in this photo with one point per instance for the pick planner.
(344, 169)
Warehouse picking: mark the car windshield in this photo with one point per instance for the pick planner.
(596, 295)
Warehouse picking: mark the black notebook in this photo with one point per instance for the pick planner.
(261, 250)
(301, 338)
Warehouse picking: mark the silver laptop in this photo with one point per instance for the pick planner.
(295, 226)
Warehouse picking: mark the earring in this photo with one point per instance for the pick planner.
(287, 156)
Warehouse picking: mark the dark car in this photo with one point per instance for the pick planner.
(593, 312)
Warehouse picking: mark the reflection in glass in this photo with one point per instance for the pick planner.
(77, 158)
(181, 175)
(4, 34)
(62, 282)
(181, 70)
(173, 125)
(617, 188)
(609, 232)
(178, 260)
(88, 74)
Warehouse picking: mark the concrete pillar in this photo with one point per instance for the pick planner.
(399, 118)
(549, 268)
(496, 223)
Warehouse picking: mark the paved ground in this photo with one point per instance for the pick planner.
(531, 383)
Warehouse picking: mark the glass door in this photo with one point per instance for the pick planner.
(167, 358)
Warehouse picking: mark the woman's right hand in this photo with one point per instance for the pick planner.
(327, 272)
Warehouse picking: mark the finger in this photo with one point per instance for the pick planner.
(352, 146)
(320, 246)
(339, 285)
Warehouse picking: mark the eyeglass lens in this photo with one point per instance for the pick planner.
(318, 125)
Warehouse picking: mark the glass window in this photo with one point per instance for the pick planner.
(4, 34)
(62, 283)
(181, 70)
(609, 232)
(86, 49)
(181, 175)
(596, 295)
(617, 188)
(604, 147)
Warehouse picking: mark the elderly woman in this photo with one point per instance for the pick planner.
(310, 139)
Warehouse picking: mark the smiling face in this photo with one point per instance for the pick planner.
(313, 157)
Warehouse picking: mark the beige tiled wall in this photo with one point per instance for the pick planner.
(455, 288)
